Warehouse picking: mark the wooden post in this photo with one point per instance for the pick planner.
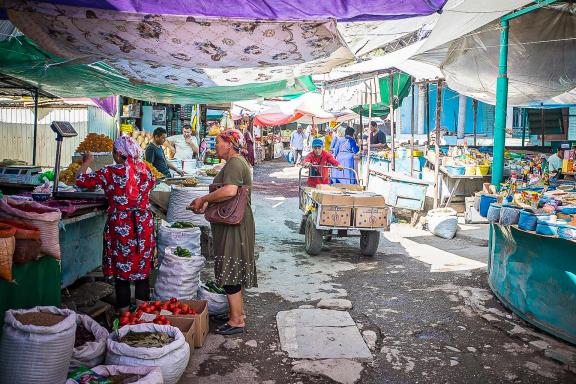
(35, 134)
(475, 118)
(427, 111)
(412, 133)
(391, 114)
(437, 145)
(524, 123)
(542, 126)
(367, 175)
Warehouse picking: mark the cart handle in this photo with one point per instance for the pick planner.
(322, 166)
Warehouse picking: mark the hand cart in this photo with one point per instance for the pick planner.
(316, 231)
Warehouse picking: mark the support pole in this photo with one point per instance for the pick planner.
(421, 109)
(524, 123)
(412, 132)
(542, 126)
(437, 145)
(501, 106)
(35, 134)
(475, 118)
(367, 175)
(461, 130)
(391, 114)
(427, 111)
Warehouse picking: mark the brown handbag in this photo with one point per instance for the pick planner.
(229, 211)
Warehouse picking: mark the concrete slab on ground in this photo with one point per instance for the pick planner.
(320, 334)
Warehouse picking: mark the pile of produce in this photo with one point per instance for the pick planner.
(190, 182)
(182, 252)
(182, 225)
(68, 176)
(173, 305)
(124, 378)
(139, 317)
(211, 172)
(147, 339)
(95, 143)
(156, 173)
(40, 319)
(145, 138)
(83, 336)
(12, 162)
(214, 288)
(214, 130)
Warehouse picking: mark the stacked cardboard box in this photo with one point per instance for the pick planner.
(350, 208)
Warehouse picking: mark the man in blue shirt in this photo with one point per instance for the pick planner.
(377, 137)
(154, 154)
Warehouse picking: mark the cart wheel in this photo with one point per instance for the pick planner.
(313, 244)
(369, 242)
(302, 229)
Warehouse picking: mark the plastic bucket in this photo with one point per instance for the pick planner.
(509, 215)
(482, 170)
(527, 221)
(493, 215)
(567, 232)
(548, 228)
(456, 171)
(485, 201)
(470, 170)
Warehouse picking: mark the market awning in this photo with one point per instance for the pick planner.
(23, 59)
(341, 10)
(401, 89)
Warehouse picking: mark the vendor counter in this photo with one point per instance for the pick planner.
(535, 276)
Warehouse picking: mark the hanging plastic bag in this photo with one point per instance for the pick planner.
(91, 353)
(35, 353)
(172, 358)
(178, 276)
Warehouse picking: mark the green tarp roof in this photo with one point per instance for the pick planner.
(20, 57)
(401, 89)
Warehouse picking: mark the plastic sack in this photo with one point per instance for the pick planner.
(178, 277)
(92, 353)
(7, 246)
(217, 303)
(28, 241)
(180, 198)
(44, 218)
(442, 222)
(151, 375)
(36, 354)
(172, 358)
(188, 238)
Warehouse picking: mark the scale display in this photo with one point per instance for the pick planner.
(63, 129)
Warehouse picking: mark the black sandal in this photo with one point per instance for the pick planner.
(223, 317)
(227, 329)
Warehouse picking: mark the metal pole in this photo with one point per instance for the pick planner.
(367, 175)
(475, 118)
(35, 135)
(542, 126)
(501, 106)
(412, 133)
(437, 145)
(427, 111)
(524, 121)
(391, 114)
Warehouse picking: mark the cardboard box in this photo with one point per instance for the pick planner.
(348, 187)
(368, 199)
(371, 217)
(333, 198)
(335, 216)
(201, 321)
(327, 187)
(187, 326)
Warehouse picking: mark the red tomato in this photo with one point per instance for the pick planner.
(177, 311)
(124, 321)
(139, 313)
(162, 317)
(157, 303)
(148, 310)
(125, 314)
(185, 307)
(173, 300)
(191, 311)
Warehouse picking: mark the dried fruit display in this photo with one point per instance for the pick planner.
(95, 143)
(157, 174)
(68, 176)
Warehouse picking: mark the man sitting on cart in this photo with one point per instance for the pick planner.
(319, 162)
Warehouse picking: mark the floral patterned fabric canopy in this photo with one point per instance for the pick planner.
(183, 50)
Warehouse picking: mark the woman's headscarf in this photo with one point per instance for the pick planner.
(234, 137)
(127, 147)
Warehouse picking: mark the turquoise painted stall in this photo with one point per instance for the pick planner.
(535, 276)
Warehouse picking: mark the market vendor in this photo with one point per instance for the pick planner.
(316, 161)
(184, 145)
(129, 241)
(377, 137)
(154, 154)
(555, 161)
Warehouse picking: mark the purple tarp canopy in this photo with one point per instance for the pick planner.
(341, 10)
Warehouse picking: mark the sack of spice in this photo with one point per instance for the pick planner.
(150, 345)
(27, 241)
(7, 245)
(89, 344)
(116, 374)
(37, 345)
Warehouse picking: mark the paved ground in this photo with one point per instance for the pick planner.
(426, 300)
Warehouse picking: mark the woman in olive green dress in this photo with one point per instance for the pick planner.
(234, 265)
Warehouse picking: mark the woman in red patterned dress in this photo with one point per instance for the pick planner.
(129, 232)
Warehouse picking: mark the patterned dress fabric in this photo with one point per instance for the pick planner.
(129, 241)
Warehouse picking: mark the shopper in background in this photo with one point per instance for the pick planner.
(185, 145)
(328, 139)
(340, 131)
(234, 263)
(154, 154)
(345, 153)
(129, 241)
(297, 143)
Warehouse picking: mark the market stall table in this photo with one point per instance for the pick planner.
(535, 276)
(454, 183)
